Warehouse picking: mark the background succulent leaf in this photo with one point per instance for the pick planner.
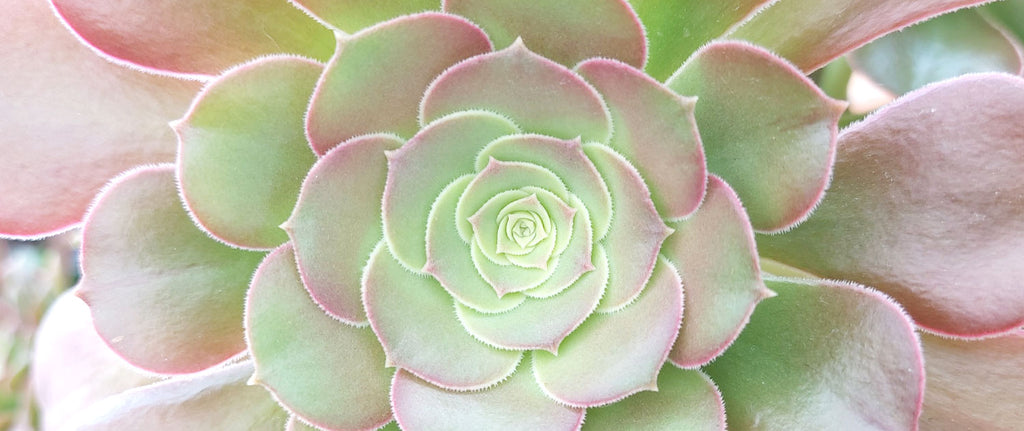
(515, 404)
(312, 363)
(562, 31)
(685, 400)
(974, 383)
(60, 111)
(1008, 12)
(351, 16)
(677, 28)
(193, 38)
(376, 77)
(242, 150)
(941, 48)
(722, 283)
(927, 205)
(767, 129)
(828, 353)
(153, 280)
(217, 399)
(345, 185)
(810, 33)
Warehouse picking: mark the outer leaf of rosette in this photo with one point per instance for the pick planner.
(539, 95)
(65, 132)
(676, 28)
(567, 31)
(351, 16)
(716, 256)
(636, 232)
(940, 48)
(193, 38)
(413, 318)
(163, 295)
(336, 223)
(514, 404)
(242, 150)
(311, 362)
(819, 354)
(685, 400)
(766, 128)
(810, 33)
(217, 399)
(376, 78)
(927, 205)
(614, 355)
(654, 128)
(419, 170)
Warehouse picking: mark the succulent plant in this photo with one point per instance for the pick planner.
(489, 214)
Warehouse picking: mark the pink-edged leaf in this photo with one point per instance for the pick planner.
(617, 354)
(414, 320)
(568, 31)
(217, 399)
(163, 295)
(63, 386)
(685, 400)
(811, 33)
(71, 121)
(420, 169)
(722, 282)
(819, 354)
(927, 205)
(296, 424)
(941, 48)
(243, 152)
(336, 223)
(1009, 14)
(514, 404)
(675, 29)
(974, 384)
(193, 38)
(376, 78)
(767, 129)
(351, 16)
(539, 95)
(330, 374)
(540, 323)
(636, 233)
(655, 129)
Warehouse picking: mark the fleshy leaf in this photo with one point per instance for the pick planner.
(636, 233)
(767, 130)
(243, 152)
(676, 28)
(685, 400)
(420, 169)
(374, 81)
(194, 37)
(563, 31)
(1009, 13)
(336, 223)
(723, 282)
(312, 363)
(539, 95)
(515, 404)
(413, 318)
(941, 48)
(351, 16)
(540, 323)
(575, 260)
(827, 353)
(974, 383)
(655, 129)
(71, 121)
(927, 205)
(614, 355)
(219, 399)
(810, 33)
(153, 280)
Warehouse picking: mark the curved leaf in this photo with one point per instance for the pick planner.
(685, 400)
(351, 16)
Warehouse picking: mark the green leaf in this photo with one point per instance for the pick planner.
(685, 400)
